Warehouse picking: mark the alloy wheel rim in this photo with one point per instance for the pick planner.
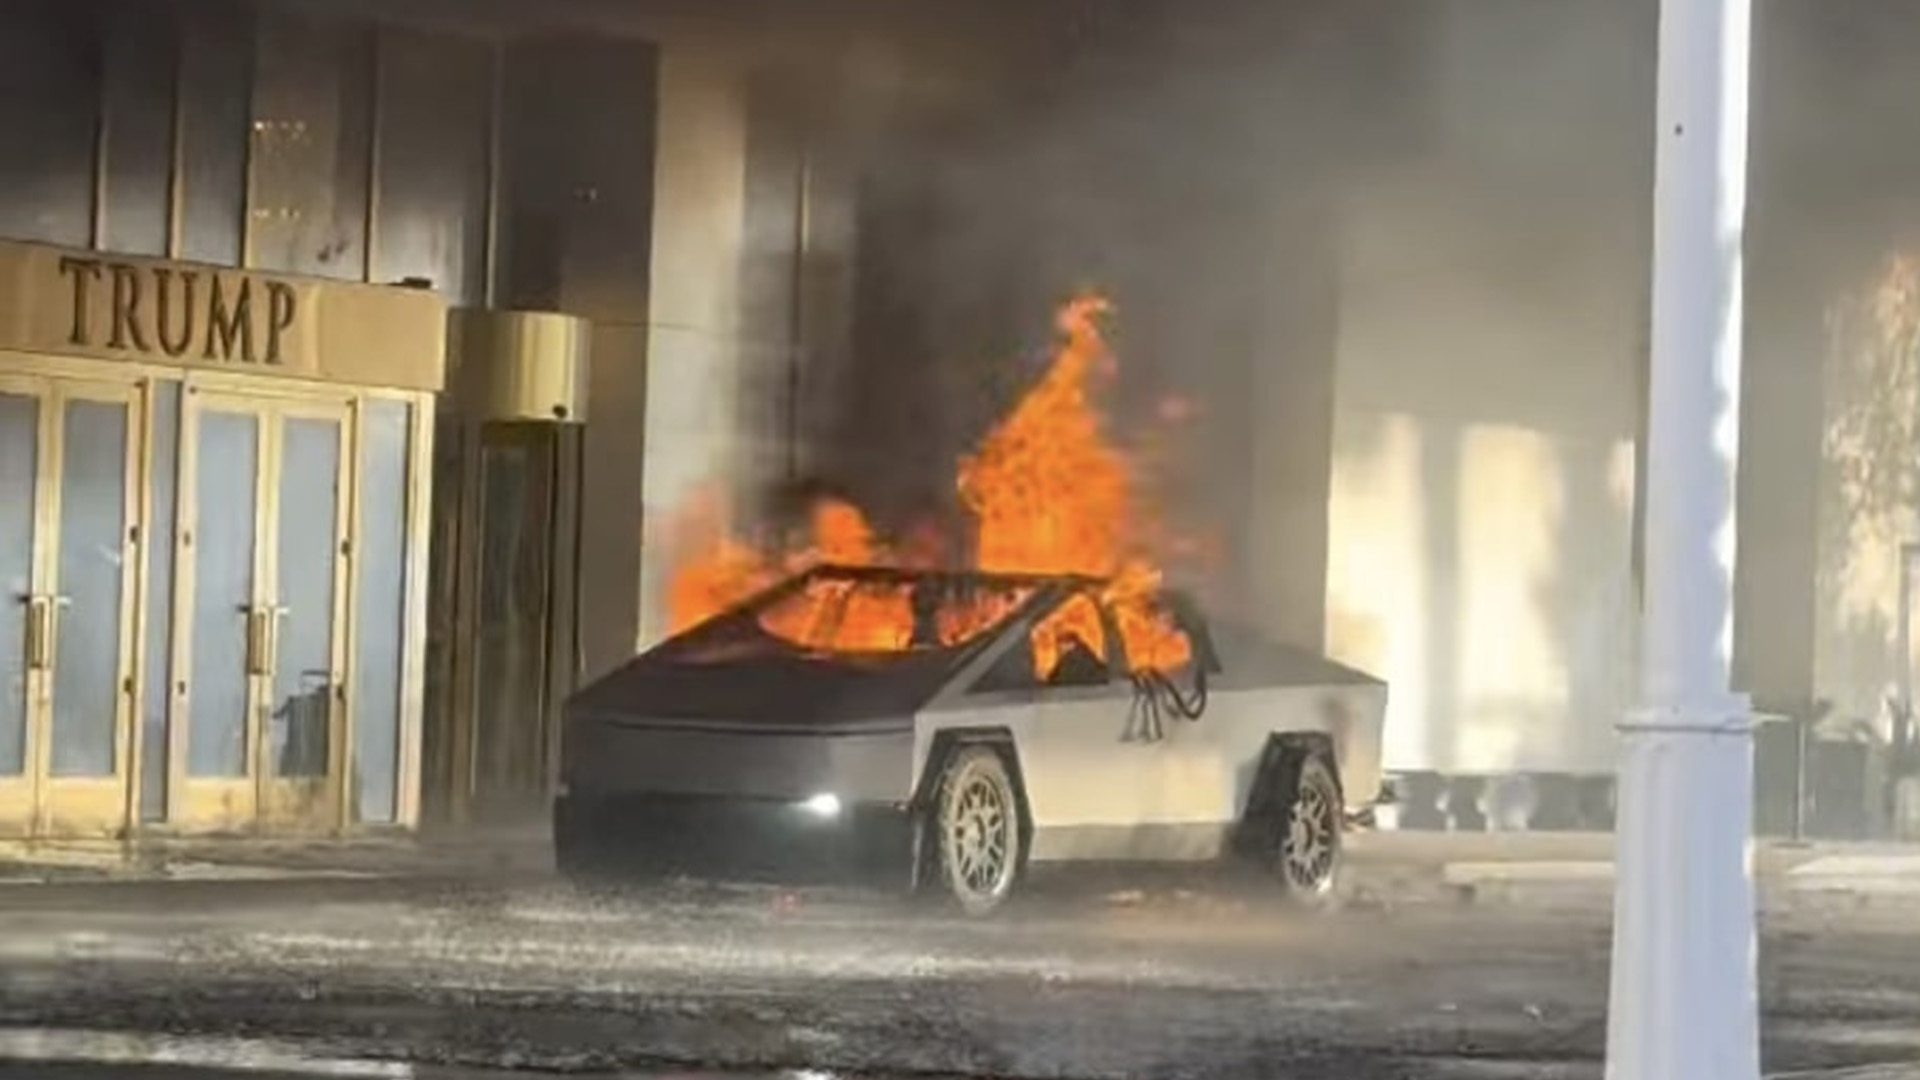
(1307, 859)
(979, 837)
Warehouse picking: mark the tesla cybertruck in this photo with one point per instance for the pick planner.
(951, 757)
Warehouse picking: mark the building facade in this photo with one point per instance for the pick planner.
(215, 511)
(269, 564)
(1393, 262)
(217, 402)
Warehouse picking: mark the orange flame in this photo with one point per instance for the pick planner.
(1050, 493)
(715, 571)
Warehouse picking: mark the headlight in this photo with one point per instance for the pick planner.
(824, 805)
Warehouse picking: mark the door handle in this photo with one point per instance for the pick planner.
(55, 605)
(263, 637)
(275, 612)
(43, 629)
(257, 663)
(39, 633)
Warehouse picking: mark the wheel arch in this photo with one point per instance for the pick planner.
(1294, 745)
(1280, 757)
(950, 741)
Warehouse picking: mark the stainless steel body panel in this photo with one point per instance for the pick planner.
(1097, 789)
(701, 717)
(611, 758)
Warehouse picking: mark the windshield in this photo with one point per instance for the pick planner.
(835, 614)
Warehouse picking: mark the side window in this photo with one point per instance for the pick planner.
(1070, 645)
(1067, 648)
(1152, 633)
(1161, 632)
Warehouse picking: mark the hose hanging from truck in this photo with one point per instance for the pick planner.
(1155, 695)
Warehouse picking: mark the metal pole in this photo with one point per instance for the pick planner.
(1683, 1004)
(1800, 725)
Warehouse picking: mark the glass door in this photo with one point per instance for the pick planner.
(219, 566)
(512, 618)
(304, 666)
(263, 547)
(88, 609)
(68, 546)
(24, 438)
(515, 655)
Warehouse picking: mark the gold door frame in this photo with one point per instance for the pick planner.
(37, 802)
(41, 376)
(418, 522)
(96, 806)
(193, 803)
(282, 799)
(20, 795)
(256, 799)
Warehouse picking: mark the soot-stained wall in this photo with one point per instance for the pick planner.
(1179, 161)
(767, 113)
(1397, 260)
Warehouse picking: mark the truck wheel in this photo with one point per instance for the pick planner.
(1307, 859)
(976, 825)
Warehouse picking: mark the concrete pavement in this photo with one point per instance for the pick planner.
(1386, 862)
(1171, 978)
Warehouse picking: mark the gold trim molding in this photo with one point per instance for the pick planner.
(520, 365)
(113, 307)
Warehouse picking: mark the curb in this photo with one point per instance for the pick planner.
(1904, 1071)
(110, 1049)
(1860, 866)
(1494, 873)
(1889, 874)
(179, 872)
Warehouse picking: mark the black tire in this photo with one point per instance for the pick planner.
(977, 836)
(1306, 837)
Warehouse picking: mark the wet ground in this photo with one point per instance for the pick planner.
(1157, 977)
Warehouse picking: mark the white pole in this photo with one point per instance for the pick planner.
(1683, 1004)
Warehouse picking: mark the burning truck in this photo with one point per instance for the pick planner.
(842, 708)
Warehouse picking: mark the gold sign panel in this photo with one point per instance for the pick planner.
(95, 304)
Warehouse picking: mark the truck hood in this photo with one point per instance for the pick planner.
(788, 692)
